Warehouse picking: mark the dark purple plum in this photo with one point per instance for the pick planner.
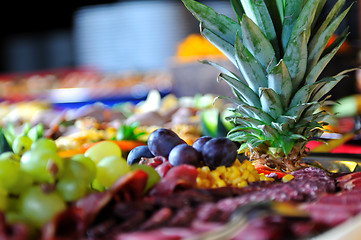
(137, 153)
(162, 141)
(219, 152)
(199, 143)
(184, 154)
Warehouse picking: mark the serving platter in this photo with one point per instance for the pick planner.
(332, 163)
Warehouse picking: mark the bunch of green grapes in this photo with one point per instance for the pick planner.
(36, 184)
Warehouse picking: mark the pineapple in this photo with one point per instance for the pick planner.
(279, 48)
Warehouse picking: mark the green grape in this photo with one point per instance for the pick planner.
(75, 180)
(153, 176)
(9, 171)
(21, 144)
(42, 165)
(12, 203)
(9, 156)
(71, 189)
(14, 217)
(109, 169)
(23, 182)
(102, 150)
(77, 170)
(88, 163)
(95, 185)
(44, 143)
(38, 207)
(3, 198)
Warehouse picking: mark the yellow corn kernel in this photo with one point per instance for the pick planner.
(242, 184)
(203, 183)
(287, 178)
(262, 177)
(205, 169)
(250, 167)
(237, 163)
(220, 183)
(202, 174)
(236, 181)
(256, 176)
(245, 175)
(214, 174)
(221, 169)
(233, 175)
(251, 178)
(235, 169)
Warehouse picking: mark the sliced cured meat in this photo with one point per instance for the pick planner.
(130, 186)
(14, 231)
(180, 177)
(69, 224)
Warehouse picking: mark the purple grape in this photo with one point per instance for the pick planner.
(199, 143)
(184, 154)
(137, 153)
(162, 140)
(219, 152)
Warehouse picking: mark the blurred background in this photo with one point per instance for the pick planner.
(121, 37)
(108, 35)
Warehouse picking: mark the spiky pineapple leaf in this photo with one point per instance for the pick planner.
(243, 136)
(316, 20)
(238, 8)
(251, 69)
(330, 16)
(247, 93)
(284, 126)
(254, 143)
(292, 11)
(221, 25)
(257, 43)
(339, 40)
(322, 63)
(296, 59)
(318, 44)
(286, 145)
(281, 8)
(221, 69)
(279, 80)
(271, 102)
(315, 107)
(239, 96)
(258, 12)
(304, 20)
(247, 130)
(331, 82)
(304, 93)
(275, 9)
(225, 47)
(236, 101)
(268, 132)
(246, 121)
(257, 113)
(297, 110)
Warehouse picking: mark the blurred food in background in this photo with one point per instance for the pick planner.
(69, 87)
(73, 128)
(195, 47)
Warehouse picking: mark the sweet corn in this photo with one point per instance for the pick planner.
(242, 184)
(263, 177)
(287, 178)
(237, 175)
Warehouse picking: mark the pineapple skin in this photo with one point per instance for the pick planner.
(280, 49)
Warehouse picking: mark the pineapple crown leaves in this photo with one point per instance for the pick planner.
(279, 48)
